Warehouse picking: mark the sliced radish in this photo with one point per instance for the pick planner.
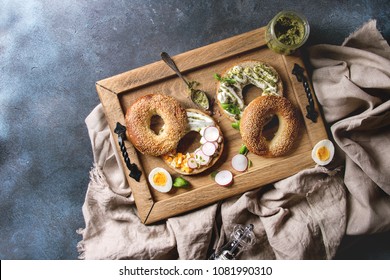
(202, 140)
(215, 144)
(211, 133)
(201, 132)
(192, 163)
(208, 149)
(201, 158)
(219, 140)
(240, 162)
(205, 160)
(224, 178)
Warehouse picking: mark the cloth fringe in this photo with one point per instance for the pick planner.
(81, 245)
(97, 178)
(330, 172)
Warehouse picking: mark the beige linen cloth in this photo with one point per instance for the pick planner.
(301, 217)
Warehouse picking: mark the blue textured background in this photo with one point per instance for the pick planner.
(51, 54)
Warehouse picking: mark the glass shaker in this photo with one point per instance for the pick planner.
(240, 239)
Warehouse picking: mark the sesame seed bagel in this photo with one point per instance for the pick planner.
(138, 119)
(255, 117)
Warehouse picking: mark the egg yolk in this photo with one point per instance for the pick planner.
(323, 153)
(159, 179)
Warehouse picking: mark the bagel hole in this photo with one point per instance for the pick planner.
(250, 92)
(156, 124)
(189, 143)
(270, 129)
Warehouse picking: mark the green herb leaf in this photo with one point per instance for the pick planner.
(213, 174)
(218, 77)
(180, 182)
(243, 150)
(229, 81)
(236, 125)
(231, 108)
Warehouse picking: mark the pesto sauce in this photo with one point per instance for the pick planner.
(199, 97)
(286, 32)
(289, 30)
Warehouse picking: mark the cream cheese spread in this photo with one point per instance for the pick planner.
(230, 89)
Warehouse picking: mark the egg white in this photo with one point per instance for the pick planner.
(168, 185)
(323, 143)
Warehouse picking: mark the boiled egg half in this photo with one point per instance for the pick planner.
(160, 180)
(323, 152)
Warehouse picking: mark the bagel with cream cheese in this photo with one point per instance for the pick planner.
(208, 151)
(231, 83)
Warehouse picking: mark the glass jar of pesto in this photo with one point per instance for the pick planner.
(286, 32)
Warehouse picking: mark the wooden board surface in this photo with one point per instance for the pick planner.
(117, 93)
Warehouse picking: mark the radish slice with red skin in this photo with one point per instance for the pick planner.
(240, 162)
(208, 149)
(202, 140)
(201, 158)
(211, 133)
(224, 178)
(192, 163)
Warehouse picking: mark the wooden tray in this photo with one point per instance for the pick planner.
(117, 93)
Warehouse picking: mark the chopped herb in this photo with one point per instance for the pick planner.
(243, 150)
(180, 182)
(229, 81)
(231, 108)
(213, 174)
(236, 125)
